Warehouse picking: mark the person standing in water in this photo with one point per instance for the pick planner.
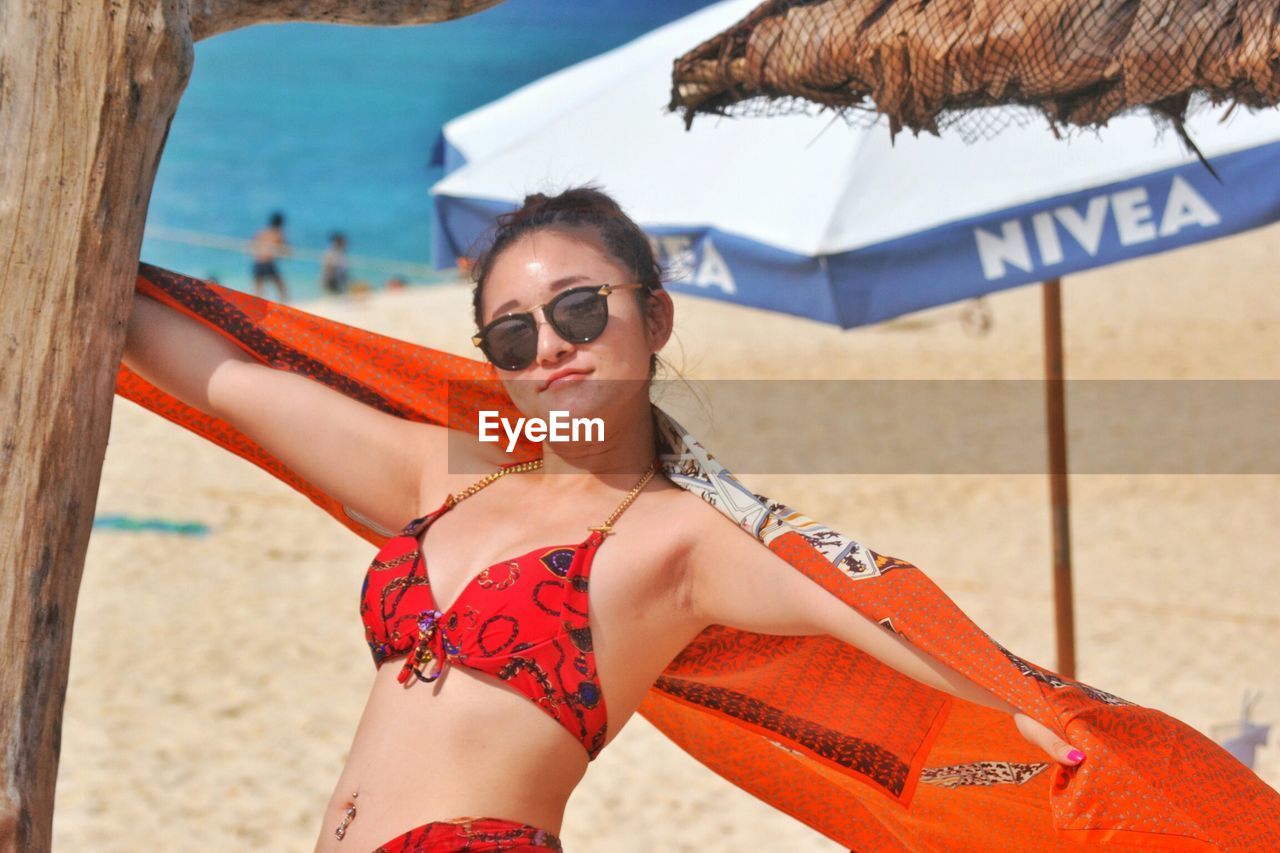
(268, 244)
(333, 270)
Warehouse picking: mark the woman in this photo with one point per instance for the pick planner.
(509, 681)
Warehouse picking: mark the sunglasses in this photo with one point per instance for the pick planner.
(578, 315)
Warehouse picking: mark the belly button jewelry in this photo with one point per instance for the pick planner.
(351, 812)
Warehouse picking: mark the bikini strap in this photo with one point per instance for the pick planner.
(415, 526)
(607, 528)
(510, 468)
(603, 529)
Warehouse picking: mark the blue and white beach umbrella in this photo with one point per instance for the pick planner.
(809, 216)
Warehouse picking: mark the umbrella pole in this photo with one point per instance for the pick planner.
(1064, 611)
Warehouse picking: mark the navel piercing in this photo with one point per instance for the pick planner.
(351, 812)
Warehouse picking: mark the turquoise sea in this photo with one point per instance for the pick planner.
(334, 126)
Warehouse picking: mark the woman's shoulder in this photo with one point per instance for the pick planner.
(674, 532)
(691, 506)
(455, 462)
(683, 517)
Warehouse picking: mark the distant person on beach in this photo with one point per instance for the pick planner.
(269, 244)
(395, 283)
(333, 271)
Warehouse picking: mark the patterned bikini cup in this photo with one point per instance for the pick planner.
(523, 620)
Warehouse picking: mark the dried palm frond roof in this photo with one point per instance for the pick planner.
(1079, 63)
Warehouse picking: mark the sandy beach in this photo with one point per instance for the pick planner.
(216, 680)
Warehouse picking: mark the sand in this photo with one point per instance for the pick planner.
(216, 681)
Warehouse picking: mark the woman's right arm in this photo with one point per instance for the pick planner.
(373, 462)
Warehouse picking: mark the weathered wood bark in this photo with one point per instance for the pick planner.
(210, 17)
(87, 93)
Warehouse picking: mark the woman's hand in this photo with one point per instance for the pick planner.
(1045, 738)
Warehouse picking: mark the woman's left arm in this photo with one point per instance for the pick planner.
(732, 579)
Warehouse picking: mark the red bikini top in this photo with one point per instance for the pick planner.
(523, 620)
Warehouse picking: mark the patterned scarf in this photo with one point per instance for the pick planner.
(815, 727)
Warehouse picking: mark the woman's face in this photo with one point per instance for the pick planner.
(535, 268)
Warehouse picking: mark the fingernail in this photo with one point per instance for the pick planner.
(1075, 756)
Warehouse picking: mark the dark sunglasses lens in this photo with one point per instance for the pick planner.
(511, 344)
(580, 316)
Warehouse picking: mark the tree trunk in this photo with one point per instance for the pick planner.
(210, 17)
(87, 91)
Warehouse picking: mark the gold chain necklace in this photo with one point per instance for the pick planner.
(606, 528)
(489, 478)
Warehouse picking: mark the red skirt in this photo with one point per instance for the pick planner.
(471, 834)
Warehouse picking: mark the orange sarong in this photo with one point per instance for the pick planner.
(858, 751)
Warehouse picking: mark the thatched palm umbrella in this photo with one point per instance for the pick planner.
(915, 60)
(922, 62)
(89, 90)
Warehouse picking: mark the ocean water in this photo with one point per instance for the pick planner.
(334, 126)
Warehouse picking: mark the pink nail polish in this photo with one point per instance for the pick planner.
(1075, 756)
